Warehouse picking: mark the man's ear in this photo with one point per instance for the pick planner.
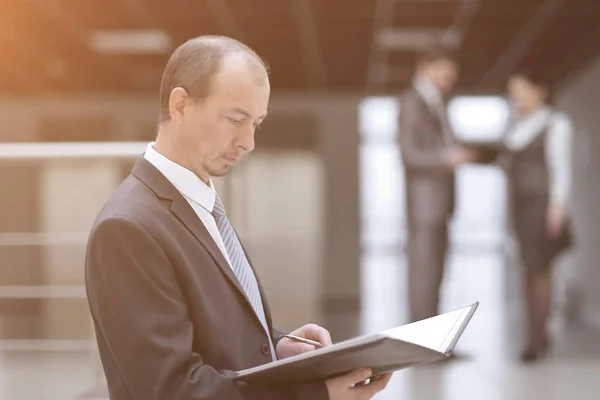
(177, 101)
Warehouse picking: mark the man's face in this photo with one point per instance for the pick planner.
(442, 74)
(219, 130)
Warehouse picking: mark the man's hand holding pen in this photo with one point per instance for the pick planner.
(356, 385)
(302, 340)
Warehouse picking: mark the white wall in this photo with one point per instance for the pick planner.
(580, 98)
(314, 276)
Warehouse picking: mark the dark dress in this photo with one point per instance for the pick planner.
(529, 190)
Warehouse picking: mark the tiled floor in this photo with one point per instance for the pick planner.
(491, 343)
(44, 376)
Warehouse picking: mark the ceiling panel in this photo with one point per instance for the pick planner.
(565, 31)
(282, 50)
(345, 49)
(45, 43)
(260, 10)
(64, 64)
(180, 33)
(403, 57)
(424, 14)
(112, 15)
(344, 11)
(180, 13)
(493, 28)
(575, 58)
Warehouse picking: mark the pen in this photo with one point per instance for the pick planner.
(303, 340)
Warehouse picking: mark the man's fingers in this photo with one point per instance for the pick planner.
(358, 376)
(325, 337)
(299, 348)
(305, 348)
(374, 387)
(318, 333)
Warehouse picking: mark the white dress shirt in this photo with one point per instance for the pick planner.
(429, 92)
(436, 104)
(200, 195)
(557, 147)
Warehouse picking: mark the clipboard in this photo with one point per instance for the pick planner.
(420, 342)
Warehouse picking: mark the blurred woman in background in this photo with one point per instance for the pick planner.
(539, 176)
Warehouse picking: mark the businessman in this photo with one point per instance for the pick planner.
(430, 154)
(175, 301)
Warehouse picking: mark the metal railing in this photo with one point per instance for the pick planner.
(47, 155)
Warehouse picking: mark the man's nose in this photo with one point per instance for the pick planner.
(246, 139)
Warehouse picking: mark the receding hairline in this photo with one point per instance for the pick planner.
(194, 65)
(223, 47)
(246, 61)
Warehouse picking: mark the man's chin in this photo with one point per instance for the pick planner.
(220, 172)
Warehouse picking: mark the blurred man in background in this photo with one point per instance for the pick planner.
(430, 153)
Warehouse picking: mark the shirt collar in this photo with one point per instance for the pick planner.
(541, 112)
(428, 91)
(184, 180)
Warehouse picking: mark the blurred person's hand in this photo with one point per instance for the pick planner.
(461, 155)
(288, 348)
(555, 220)
(352, 386)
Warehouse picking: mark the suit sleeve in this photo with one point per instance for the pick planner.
(416, 157)
(277, 334)
(142, 322)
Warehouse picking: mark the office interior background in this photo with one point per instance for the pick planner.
(320, 202)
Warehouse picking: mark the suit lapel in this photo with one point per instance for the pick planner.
(440, 121)
(188, 217)
(184, 212)
(434, 114)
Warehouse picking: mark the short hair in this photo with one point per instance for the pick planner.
(436, 54)
(193, 65)
(537, 79)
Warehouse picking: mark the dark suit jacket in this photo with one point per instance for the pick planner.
(171, 319)
(429, 179)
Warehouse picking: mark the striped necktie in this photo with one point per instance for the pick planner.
(240, 265)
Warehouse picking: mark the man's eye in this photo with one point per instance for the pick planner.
(235, 121)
